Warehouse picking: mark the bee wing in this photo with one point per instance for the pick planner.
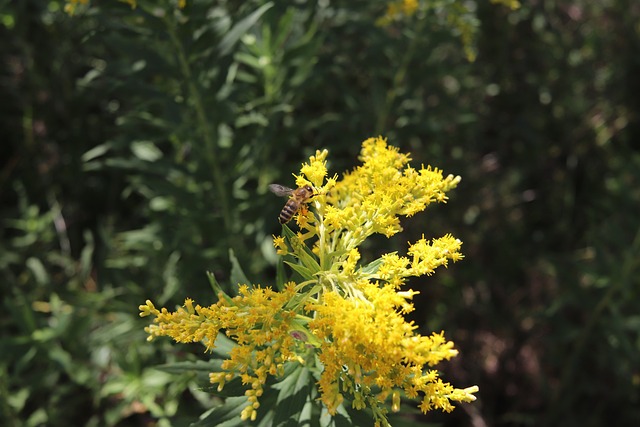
(280, 190)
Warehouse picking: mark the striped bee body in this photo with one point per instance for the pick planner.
(297, 198)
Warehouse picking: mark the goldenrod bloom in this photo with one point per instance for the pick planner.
(398, 9)
(512, 4)
(344, 319)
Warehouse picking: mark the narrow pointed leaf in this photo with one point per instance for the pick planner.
(241, 28)
(294, 394)
(237, 274)
(226, 415)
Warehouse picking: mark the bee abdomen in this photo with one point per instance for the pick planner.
(287, 212)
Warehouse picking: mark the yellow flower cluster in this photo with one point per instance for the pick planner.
(511, 4)
(343, 319)
(371, 198)
(398, 9)
(257, 319)
(370, 352)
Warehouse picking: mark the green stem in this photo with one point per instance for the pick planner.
(399, 77)
(203, 125)
(624, 274)
(322, 235)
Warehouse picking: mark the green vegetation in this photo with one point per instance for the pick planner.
(138, 145)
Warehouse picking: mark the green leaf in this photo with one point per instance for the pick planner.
(372, 267)
(146, 150)
(225, 415)
(233, 388)
(285, 24)
(340, 419)
(95, 152)
(298, 324)
(301, 270)
(86, 255)
(170, 277)
(249, 60)
(241, 28)
(237, 276)
(215, 286)
(281, 275)
(223, 345)
(301, 251)
(38, 270)
(294, 399)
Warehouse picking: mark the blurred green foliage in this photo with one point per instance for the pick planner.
(138, 145)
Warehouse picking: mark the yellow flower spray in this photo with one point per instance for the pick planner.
(341, 319)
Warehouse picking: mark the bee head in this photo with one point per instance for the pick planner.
(309, 189)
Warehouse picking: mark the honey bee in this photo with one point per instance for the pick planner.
(297, 199)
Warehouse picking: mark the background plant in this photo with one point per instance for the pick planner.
(110, 191)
